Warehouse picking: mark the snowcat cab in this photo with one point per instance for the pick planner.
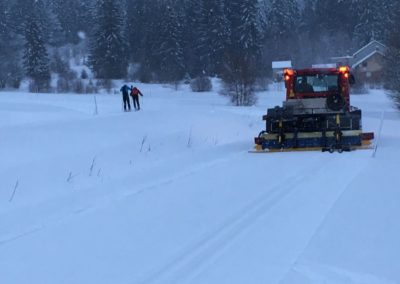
(316, 115)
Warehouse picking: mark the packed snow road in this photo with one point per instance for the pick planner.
(170, 194)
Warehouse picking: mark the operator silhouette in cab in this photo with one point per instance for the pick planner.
(304, 86)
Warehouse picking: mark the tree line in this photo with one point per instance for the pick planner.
(169, 40)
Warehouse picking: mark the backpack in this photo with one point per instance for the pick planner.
(135, 92)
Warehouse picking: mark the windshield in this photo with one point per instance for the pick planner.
(316, 83)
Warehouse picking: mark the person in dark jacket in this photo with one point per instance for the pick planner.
(135, 92)
(125, 97)
(304, 87)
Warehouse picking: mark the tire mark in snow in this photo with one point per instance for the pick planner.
(189, 262)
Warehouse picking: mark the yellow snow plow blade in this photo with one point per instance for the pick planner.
(366, 145)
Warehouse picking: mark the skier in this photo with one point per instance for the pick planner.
(125, 97)
(135, 92)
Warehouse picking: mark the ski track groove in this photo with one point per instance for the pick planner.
(180, 267)
(107, 200)
(319, 226)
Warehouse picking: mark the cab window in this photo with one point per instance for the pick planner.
(316, 83)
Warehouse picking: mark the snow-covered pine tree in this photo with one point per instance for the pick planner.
(135, 28)
(19, 12)
(170, 50)
(242, 50)
(250, 33)
(372, 20)
(194, 29)
(68, 17)
(309, 17)
(214, 35)
(4, 38)
(263, 23)
(326, 30)
(36, 60)
(392, 64)
(149, 41)
(309, 35)
(283, 29)
(333, 17)
(107, 55)
(48, 20)
(232, 13)
(10, 47)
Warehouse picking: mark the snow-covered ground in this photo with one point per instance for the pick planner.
(170, 194)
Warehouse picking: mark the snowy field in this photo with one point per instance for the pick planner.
(170, 194)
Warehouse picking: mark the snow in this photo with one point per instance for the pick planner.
(281, 64)
(324, 65)
(82, 35)
(170, 194)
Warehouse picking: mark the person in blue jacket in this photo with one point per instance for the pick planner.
(125, 97)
